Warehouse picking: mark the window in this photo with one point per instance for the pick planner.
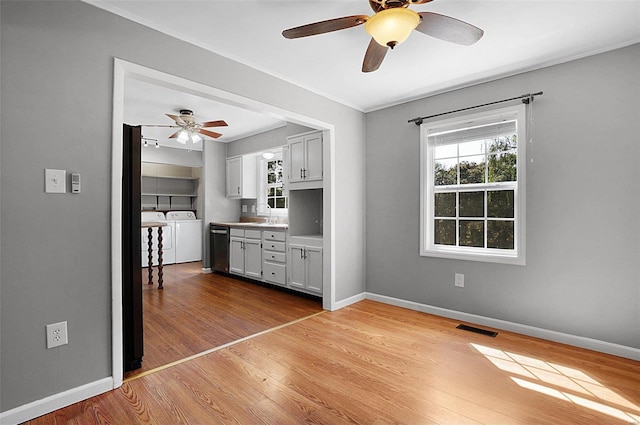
(271, 189)
(472, 181)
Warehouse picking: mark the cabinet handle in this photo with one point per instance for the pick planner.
(304, 173)
(238, 190)
(301, 173)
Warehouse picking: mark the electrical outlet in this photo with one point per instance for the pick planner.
(57, 334)
(459, 280)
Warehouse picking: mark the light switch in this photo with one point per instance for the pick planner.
(244, 208)
(55, 181)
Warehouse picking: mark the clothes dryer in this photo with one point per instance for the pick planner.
(188, 236)
(168, 239)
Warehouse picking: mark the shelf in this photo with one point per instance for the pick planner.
(192, 195)
(170, 177)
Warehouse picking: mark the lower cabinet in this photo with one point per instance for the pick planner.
(263, 256)
(274, 257)
(306, 268)
(245, 253)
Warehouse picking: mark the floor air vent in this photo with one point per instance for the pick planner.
(477, 330)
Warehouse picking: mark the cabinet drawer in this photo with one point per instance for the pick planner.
(279, 257)
(274, 273)
(273, 246)
(237, 232)
(270, 235)
(252, 234)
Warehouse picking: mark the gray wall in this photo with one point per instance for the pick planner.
(583, 205)
(264, 141)
(57, 84)
(165, 155)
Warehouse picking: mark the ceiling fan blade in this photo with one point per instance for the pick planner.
(374, 56)
(448, 29)
(325, 26)
(219, 123)
(174, 135)
(210, 133)
(176, 118)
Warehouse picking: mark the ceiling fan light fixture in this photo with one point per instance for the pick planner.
(391, 27)
(183, 137)
(195, 138)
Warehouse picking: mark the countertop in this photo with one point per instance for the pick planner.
(252, 225)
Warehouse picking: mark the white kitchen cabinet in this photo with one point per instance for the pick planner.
(245, 253)
(274, 257)
(306, 268)
(304, 165)
(241, 177)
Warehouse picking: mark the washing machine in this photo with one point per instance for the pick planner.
(168, 239)
(188, 235)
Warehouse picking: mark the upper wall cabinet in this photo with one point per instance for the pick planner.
(241, 177)
(304, 165)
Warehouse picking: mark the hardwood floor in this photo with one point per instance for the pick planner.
(371, 363)
(196, 312)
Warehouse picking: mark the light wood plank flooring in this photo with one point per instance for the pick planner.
(196, 312)
(371, 363)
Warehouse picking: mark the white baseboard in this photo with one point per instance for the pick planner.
(57, 401)
(577, 341)
(206, 270)
(351, 300)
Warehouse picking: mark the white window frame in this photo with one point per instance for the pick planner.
(261, 209)
(427, 247)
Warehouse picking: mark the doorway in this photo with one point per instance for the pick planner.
(124, 70)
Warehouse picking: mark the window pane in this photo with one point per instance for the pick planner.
(444, 232)
(502, 167)
(472, 169)
(502, 144)
(500, 203)
(445, 204)
(280, 203)
(271, 178)
(446, 172)
(471, 204)
(472, 148)
(271, 202)
(472, 233)
(500, 234)
(271, 191)
(446, 151)
(278, 191)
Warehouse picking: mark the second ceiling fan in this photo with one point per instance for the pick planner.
(392, 24)
(191, 129)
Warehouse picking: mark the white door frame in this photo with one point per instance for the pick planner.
(124, 70)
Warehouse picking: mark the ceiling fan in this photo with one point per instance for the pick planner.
(190, 129)
(392, 24)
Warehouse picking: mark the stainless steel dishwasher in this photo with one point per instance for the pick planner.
(219, 248)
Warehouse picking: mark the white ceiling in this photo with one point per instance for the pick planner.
(520, 35)
(147, 104)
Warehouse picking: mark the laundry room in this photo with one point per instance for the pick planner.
(171, 192)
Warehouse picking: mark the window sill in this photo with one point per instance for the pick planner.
(479, 256)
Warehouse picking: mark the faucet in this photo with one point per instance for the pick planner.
(269, 208)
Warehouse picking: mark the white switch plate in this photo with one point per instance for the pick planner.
(55, 181)
(459, 280)
(244, 208)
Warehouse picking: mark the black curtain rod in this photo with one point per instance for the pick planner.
(526, 98)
